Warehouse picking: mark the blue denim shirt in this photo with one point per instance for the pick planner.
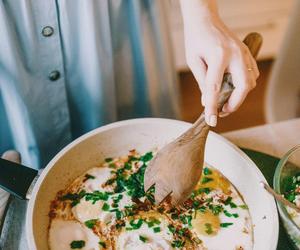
(69, 66)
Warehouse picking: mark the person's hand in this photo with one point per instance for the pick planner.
(212, 50)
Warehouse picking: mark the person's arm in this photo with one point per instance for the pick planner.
(212, 49)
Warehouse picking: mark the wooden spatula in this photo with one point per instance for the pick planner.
(176, 169)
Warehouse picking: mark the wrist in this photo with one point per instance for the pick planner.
(203, 10)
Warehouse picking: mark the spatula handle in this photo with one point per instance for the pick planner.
(253, 41)
(15, 178)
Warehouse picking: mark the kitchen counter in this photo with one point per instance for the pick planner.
(274, 139)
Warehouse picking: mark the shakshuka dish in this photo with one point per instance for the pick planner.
(107, 208)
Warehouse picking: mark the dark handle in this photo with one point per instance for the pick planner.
(253, 41)
(16, 178)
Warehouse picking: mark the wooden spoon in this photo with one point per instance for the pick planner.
(176, 169)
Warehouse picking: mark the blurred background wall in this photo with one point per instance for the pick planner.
(268, 17)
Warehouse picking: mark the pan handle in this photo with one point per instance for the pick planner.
(16, 178)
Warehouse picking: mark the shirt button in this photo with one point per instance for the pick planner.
(47, 31)
(54, 75)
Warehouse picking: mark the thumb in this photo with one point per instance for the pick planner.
(213, 83)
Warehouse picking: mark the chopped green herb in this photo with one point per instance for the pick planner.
(227, 213)
(146, 157)
(226, 224)
(204, 190)
(244, 206)
(228, 200)
(197, 240)
(156, 221)
(290, 186)
(196, 204)
(114, 210)
(186, 219)
(178, 243)
(156, 229)
(290, 197)
(102, 243)
(150, 223)
(88, 176)
(96, 196)
(120, 224)
(135, 225)
(174, 216)
(230, 203)
(182, 232)
(230, 215)
(75, 198)
(171, 228)
(143, 238)
(216, 209)
(127, 166)
(134, 184)
(118, 214)
(132, 158)
(77, 244)
(150, 195)
(202, 209)
(206, 180)
(160, 210)
(91, 223)
(105, 207)
(108, 159)
(195, 193)
(117, 198)
(207, 171)
(110, 181)
(112, 165)
(208, 228)
(129, 211)
(208, 200)
(114, 205)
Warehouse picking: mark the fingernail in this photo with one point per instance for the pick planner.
(202, 102)
(223, 114)
(212, 121)
(207, 119)
(225, 108)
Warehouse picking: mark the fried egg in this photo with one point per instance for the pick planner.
(233, 228)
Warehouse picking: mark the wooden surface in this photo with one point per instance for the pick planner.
(274, 139)
(251, 113)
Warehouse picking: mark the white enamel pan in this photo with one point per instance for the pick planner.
(117, 139)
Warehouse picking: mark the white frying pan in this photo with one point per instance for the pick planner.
(144, 135)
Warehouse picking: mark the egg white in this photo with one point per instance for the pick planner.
(62, 233)
(130, 239)
(101, 175)
(86, 210)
